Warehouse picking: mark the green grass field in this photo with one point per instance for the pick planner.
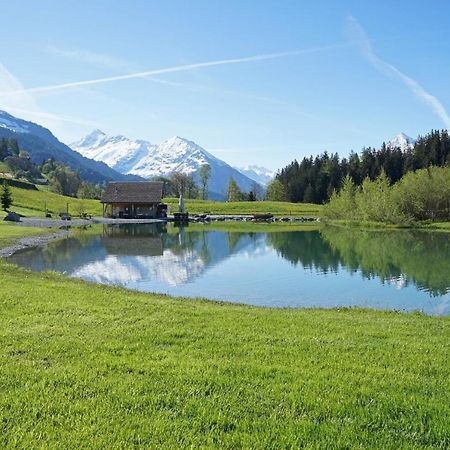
(276, 208)
(32, 203)
(90, 366)
(86, 366)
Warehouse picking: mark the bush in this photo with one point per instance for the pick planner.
(420, 195)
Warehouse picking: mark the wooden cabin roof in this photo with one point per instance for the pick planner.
(133, 192)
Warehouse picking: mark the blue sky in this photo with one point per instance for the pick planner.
(283, 79)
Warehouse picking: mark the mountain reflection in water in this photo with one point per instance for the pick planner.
(331, 267)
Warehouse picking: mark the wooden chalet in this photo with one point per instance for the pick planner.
(133, 200)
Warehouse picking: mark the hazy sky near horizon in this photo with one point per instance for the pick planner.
(254, 82)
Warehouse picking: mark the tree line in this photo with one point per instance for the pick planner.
(313, 180)
(179, 182)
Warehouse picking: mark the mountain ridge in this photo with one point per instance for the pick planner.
(42, 144)
(147, 160)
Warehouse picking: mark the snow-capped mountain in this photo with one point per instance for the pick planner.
(257, 173)
(118, 152)
(148, 160)
(402, 141)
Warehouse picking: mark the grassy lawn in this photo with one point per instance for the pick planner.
(10, 233)
(32, 203)
(90, 366)
(276, 208)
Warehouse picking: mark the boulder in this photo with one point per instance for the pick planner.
(12, 217)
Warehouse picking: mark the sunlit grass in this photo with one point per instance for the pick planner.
(90, 366)
(275, 208)
(35, 202)
(86, 366)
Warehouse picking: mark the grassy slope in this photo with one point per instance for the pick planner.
(276, 208)
(32, 203)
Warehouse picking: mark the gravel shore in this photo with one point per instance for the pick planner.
(57, 223)
(32, 241)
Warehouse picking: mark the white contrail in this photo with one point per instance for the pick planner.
(181, 68)
(360, 37)
(23, 102)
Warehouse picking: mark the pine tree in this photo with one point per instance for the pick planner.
(6, 197)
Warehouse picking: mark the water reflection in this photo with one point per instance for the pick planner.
(330, 267)
(397, 257)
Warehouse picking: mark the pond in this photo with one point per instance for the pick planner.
(284, 267)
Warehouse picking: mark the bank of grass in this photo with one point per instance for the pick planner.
(371, 225)
(32, 203)
(251, 227)
(438, 226)
(10, 233)
(275, 208)
(87, 366)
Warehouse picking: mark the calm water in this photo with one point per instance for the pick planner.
(401, 270)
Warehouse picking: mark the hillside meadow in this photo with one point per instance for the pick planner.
(31, 203)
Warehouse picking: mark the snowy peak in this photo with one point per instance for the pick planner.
(92, 139)
(118, 152)
(175, 154)
(257, 173)
(402, 141)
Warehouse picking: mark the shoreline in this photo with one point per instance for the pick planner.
(32, 241)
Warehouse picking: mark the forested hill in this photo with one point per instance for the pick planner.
(314, 179)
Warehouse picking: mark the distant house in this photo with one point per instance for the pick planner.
(133, 200)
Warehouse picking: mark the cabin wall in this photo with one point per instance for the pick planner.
(134, 211)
